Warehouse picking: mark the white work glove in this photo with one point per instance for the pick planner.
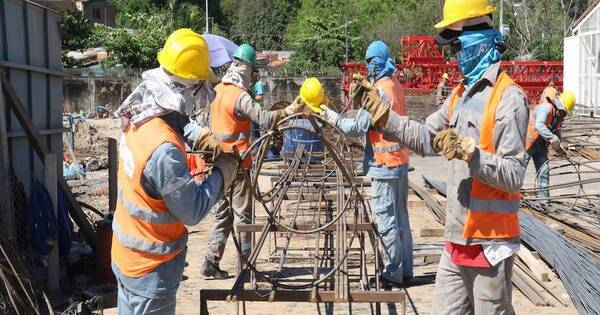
(329, 115)
(557, 147)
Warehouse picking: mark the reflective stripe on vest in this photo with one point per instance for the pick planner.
(390, 154)
(492, 212)
(145, 233)
(226, 126)
(145, 214)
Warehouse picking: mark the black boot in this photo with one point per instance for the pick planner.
(209, 269)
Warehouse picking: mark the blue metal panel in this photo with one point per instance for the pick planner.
(37, 52)
(29, 36)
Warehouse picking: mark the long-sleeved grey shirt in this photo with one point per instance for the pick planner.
(247, 108)
(166, 176)
(504, 169)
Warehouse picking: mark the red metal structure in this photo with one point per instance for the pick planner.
(424, 63)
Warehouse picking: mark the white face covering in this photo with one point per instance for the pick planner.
(239, 74)
(161, 93)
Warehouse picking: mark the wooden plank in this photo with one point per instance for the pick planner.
(6, 209)
(50, 177)
(34, 138)
(537, 267)
(427, 232)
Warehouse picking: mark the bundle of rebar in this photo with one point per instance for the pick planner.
(578, 270)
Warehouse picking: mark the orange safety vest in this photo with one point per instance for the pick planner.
(145, 233)
(226, 126)
(390, 154)
(492, 212)
(533, 134)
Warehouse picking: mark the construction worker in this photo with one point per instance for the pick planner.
(545, 122)
(387, 164)
(442, 90)
(481, 129)
(157, 195)
(231, 116)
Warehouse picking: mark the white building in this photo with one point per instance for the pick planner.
(582, 61)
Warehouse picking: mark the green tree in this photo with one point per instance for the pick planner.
(319, 35)
(75, 31)
(134, 49)
(262, 23)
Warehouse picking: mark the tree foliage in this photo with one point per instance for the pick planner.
(133, 48)
(316, 30)
(262, 23)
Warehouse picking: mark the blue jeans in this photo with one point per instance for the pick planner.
(391, 215)
(539, 154)
(130, 303)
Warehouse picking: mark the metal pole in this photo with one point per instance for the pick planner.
(346, 34)
(502, 17)
(206, 17)
(50, 174)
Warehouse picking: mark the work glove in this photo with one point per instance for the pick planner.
(207, 142)
(557, 147)
(356, 90)
(329, 115)
(296, 107)
(228, 164)
(372, 103)
(454, 146)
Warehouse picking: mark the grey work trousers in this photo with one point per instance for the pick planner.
(472, 290)
(241, 203)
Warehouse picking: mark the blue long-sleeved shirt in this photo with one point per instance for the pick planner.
(541, 114)
(166, 176)
(359, 127)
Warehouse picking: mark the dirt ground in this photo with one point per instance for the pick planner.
(419, 298)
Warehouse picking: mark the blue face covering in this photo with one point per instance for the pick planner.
(479, 51)
(379, 63)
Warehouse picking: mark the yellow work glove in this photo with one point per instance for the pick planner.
(372, 102)
(454, 146)
(207, 142)
(356, 89)
(228, 164)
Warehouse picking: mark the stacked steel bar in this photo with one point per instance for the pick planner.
(578, 270)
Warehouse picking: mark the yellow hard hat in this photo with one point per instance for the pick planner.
(186, 55)
(568, 99)
(313, 94)
(460, 10)
(445, 76)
